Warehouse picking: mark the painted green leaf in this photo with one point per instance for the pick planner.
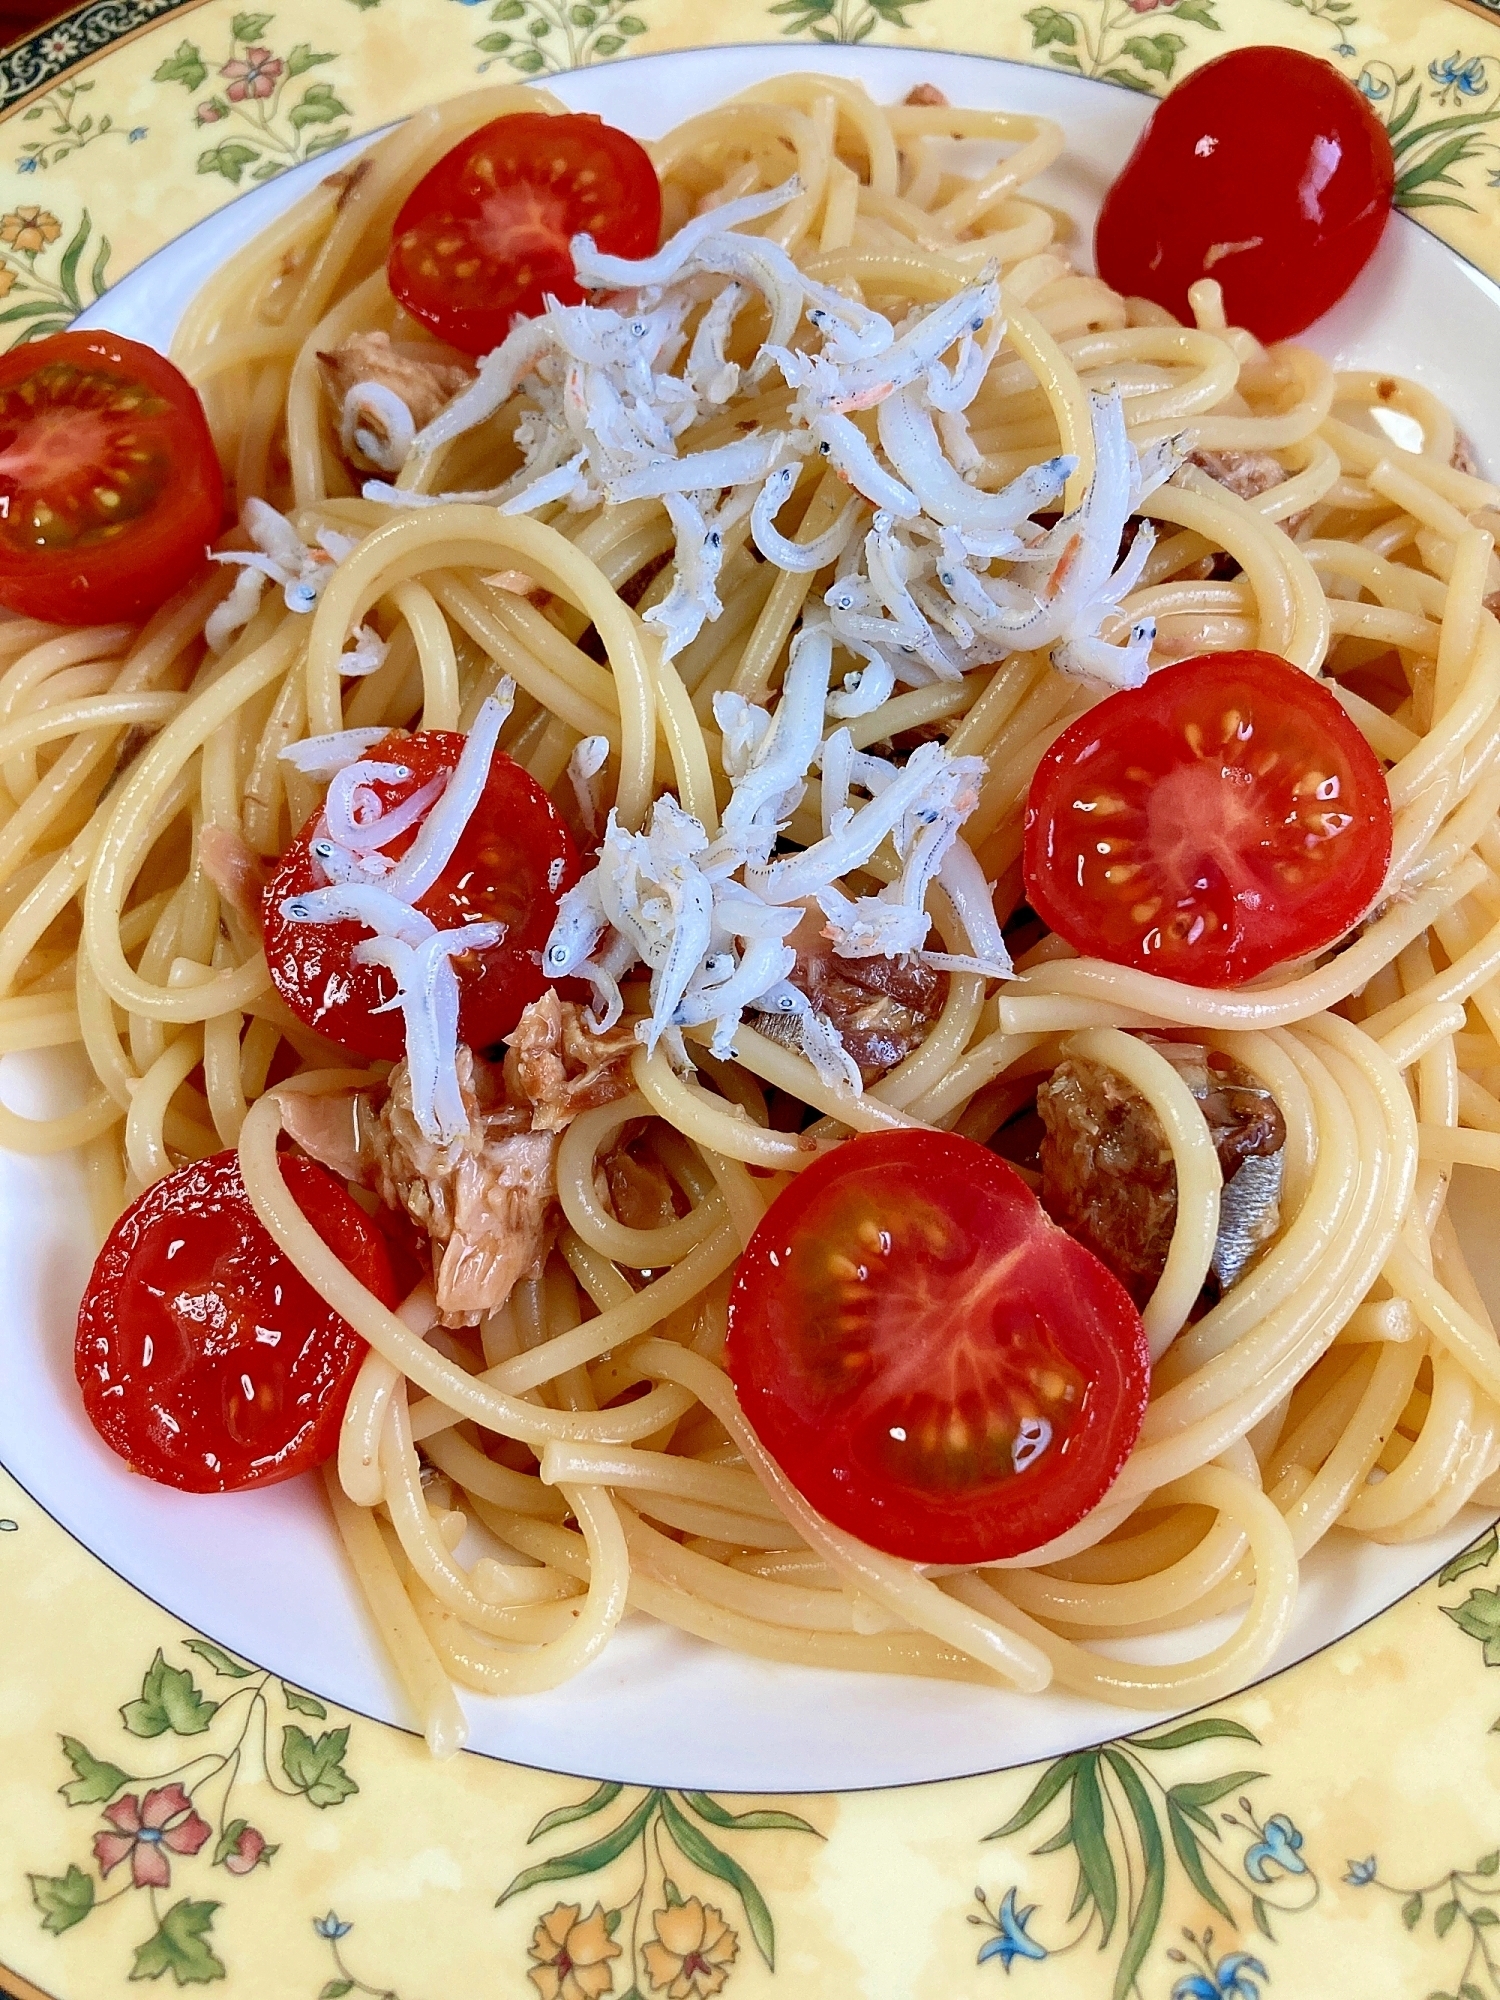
(221, 1662)
(1155, 52)
(1444, 1918)
(530, 62)
(39, 330)
(64, 1900)
(1200, 11)
(180, 1947)
(29, 310)
(317, 1768)
(185, 65)
(494, 45)
(229, 158)
(1050, 24)
(1125, 77)
(585, 1860)
(67, 270)
(1092, 1846)
(609, 45)
(669, 1889)
(364, 5)
(1187, 1733)
(319, 106)
(96, 1781)
(1479, 1616)
(583, 17)
(700, 1850)
(1066, 59)
(709, 1808)
(509, 10)
(1061, 1839)
(249, 27)
(1483, 1917)
(1147, 1917)
(305, 57)
(1411, 1912)
(629, 25)
(1207, 1790)
(1469, 1991)
(1431, 201)
(1037, 1800)
(303, 1704)
(1488, 1864)
(1190, 1855)
(325, 142)
(337, 1988)
(601, 1796)
(1262, 1918)
(1476, 1557)
(168, 1700)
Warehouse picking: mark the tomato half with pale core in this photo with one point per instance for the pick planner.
(513, 861)
(206, 1359)
(110, 488)
(1266, 170)
(935, 1365)
(1220, 820)
(485, 234)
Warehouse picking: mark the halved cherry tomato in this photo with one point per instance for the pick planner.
(485, 233)
(1224, 817)
(206, 1359)
(934, 1364)
(110, 488)
(1265, 169)
(512, 863)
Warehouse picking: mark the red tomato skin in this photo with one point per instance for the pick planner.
(1259, 918)
(509, 199)
(116, 570)
(516, 858)
(161, 1371)
(815, 1399)
(1261, 143)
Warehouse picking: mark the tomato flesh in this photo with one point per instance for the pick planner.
(934, 1364)
(484, 235)
(1223, 818)
(110, 488)
(514, 860)
(205, 1358)
(1265, 169)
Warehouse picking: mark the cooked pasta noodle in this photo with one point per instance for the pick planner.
(504, 1496)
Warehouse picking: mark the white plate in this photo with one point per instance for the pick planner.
(261, 1572)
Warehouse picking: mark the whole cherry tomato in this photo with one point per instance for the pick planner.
(110, 488)
(932, 1363)
(206, 1359)
(485, 234)
(513, 861)
(1265, 169)
(1224, 817)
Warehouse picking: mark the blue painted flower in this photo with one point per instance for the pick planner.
(1344, 49)
(1373, 87)
(1277, 1849)
(329, 1927)
(1361, 1872)
(136, 132)
(1230, 1979)
(1453, 73)
(1013, 1941)
(26, 166)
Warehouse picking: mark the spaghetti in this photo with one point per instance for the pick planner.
(585, 1434)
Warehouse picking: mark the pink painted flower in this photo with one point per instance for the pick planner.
(247, 1852)
(211, 112)
(145, 1828)
(252, 75)
(1146, 6)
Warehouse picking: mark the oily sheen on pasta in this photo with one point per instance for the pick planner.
(1351, 1377)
